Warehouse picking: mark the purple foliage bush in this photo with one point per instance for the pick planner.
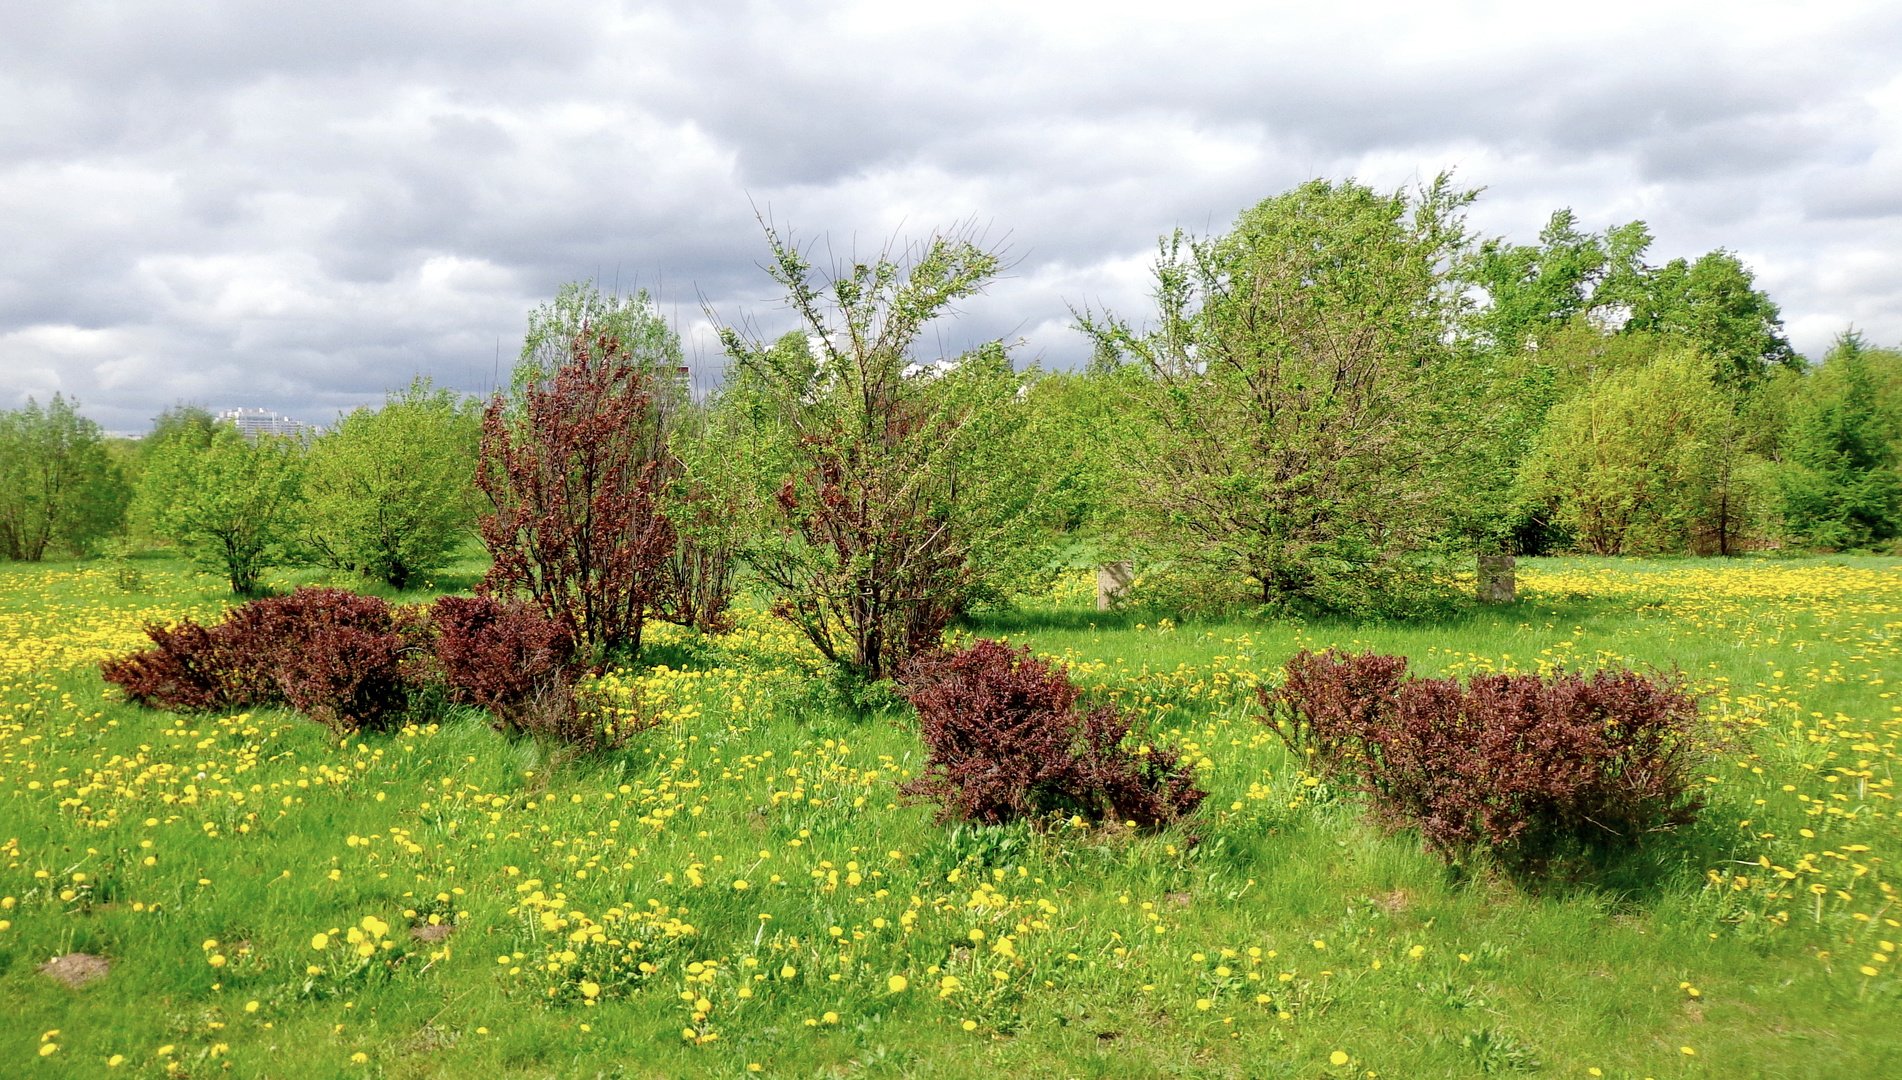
(1527, 767)
(1007, 739)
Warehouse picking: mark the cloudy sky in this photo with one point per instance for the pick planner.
(298, 206)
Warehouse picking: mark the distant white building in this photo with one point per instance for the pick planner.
(252, 423)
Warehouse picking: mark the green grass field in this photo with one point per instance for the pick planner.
(745, 891)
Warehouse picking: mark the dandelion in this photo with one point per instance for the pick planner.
(1337, 1058)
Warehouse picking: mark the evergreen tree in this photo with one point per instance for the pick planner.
(1839, 484)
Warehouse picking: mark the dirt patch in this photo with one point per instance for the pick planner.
(431, 933)
(76, 969)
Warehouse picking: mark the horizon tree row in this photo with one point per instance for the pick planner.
(1333, 406)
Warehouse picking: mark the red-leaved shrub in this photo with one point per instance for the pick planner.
(332, 654)
(193, 668)
(1527, 767)
(1007, 739)
(336, 655)
(507, 658)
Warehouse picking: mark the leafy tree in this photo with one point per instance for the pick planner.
(892, 492)
(233, 505)
(1714, 306)
(631, 320)
(1571, 277)
(57, 482)
(1632, 465)
(574, 466)
(1839, 484)
(1299, 404)
(194, 423)
(1534, 290)
(191, 425)
(391, 492)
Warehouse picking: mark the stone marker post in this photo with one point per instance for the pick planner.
(1496, 581)
(1112, 583)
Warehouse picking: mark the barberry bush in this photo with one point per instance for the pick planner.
(1524, 767)
(506, 657)
(574, 472)
(192, 668)
(334, 655)
(1008, 739)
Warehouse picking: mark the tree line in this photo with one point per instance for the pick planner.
(1331, 406)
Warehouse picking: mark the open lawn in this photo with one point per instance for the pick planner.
(746, 890)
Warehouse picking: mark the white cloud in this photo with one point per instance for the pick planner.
(300, 208)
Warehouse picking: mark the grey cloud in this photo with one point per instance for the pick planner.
(299, 207)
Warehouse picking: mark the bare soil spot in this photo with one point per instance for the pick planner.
(76, 969)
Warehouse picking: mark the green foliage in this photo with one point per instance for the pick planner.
(58, 485)
(1297, 416)
(1067, 416)
(1714, 306)
(1535, 290)
(893, 493)
(1600, 280)
(1631, 464)
(234, 506)
(191, 426)
(632, 320)
(1839, 484)
(390, 492)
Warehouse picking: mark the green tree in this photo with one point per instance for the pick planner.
(390, 493)
(1634, 464)
(1299, 416)
(58, 485)
(232, 505)
(889, 490)
(1838, 481)
(1534, 290)
(1714, 306)
(191, 425)
(631, 320)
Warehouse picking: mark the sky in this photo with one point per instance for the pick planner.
(299, 207)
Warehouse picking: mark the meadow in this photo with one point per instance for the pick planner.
(744, 890)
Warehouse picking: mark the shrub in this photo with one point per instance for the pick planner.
(503, 657)
(336, 656)
(574, 471)
(1008, 739)
(331, 654)
(1524, 766)
(192, 668)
